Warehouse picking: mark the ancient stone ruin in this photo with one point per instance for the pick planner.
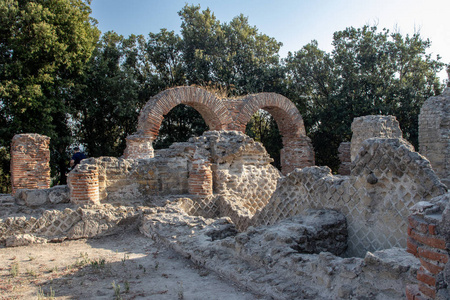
(379, 232)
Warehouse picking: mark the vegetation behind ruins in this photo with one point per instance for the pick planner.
(60, 78)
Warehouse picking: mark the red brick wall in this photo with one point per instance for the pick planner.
(200, 178)
(427, 243)
(30, 157)
(83, 185)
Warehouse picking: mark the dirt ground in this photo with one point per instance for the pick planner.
(126, 266)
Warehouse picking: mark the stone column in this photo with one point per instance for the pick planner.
(30, 162)
(139, 147)
(434, 134)
(200, 180)
(83, 185)
(367, 127)
(345, 158)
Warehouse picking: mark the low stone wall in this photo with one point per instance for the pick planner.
(39, 226)
(387, 178)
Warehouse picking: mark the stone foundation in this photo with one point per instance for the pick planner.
(30, 162)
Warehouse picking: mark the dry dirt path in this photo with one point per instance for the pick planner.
(89, 269)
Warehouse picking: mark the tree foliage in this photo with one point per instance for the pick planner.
(44, 45)
(368, 72)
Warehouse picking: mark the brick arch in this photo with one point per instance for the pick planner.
(285, 113)
(212, 109)
(297, 149)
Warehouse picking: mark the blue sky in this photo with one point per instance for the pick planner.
(294, 23)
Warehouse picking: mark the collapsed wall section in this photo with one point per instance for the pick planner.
(30, 162)
(387, 178)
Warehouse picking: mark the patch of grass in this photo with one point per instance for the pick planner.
(127, 286)
(116, 288)
(98, 264)
(32, 272)
(180, 291)
(124, 259)
(41, 295)
(14, 271)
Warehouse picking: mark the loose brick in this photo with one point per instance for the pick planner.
(426, 277)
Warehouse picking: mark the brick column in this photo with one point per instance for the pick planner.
(427, 242)
(83, 185)
(200, 178)
(139, 147)
(30, 157)
(297, 152)
(345, 158)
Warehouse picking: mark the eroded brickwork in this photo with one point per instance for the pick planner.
(377, 126)
(83, 185)
(434, 134)
(30, 158)
(200, 178)
(427, 239)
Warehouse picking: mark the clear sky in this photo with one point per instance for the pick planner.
(292, 22)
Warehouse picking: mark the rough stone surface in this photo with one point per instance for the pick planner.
(434, 134)
(267, 259)
(375, 126)
(386, 179)
(35, 198)
(30, 158)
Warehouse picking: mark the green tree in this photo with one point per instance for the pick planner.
(108, 101)
(44, 45)
(368, 72)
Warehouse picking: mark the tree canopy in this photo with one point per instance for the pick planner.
(59, 78)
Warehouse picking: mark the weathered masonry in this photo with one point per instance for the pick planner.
(225, 114)
(30, 162)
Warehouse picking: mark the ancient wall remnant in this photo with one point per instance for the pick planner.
(218, 162)
(225, 114)
(386, 179)
(434, 134)
(374, 126)
(345, 158)
(428, 238)
(30, 162)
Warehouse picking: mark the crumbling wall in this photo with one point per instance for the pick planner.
(30, 162)
(373, 126)
(387, 178)
(288, 260)
(434, 134)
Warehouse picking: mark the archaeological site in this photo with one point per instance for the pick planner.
(380, 229)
